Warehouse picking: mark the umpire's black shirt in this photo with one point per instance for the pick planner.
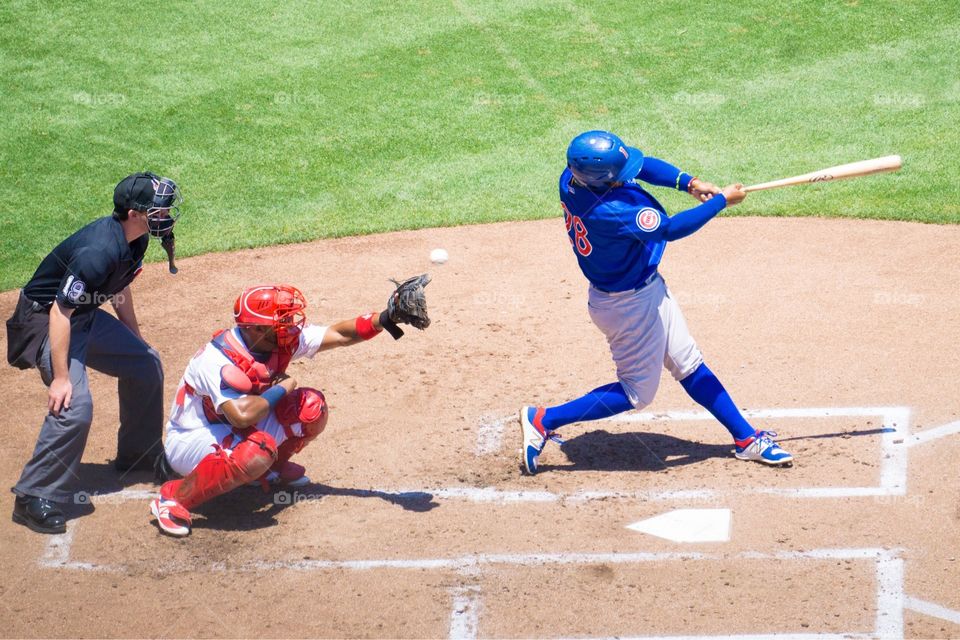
(88, 268)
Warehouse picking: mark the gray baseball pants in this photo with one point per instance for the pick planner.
(104, 343)
(646, 332)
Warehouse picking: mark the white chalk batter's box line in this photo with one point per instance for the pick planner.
(467, 598)
(895, 442)
(895, 445)
(464, 618)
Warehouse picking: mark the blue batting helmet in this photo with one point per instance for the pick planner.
(598, 158)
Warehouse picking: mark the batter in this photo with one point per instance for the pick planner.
(618, 231)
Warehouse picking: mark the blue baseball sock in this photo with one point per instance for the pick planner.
(704, 387)
(602, 402)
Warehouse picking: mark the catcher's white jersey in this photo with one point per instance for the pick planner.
(190, 436)
(203, 377)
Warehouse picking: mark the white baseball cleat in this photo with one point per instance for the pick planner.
(302, 481)
(762, 448)
(534, 437)
(532, 441)
(172, 517)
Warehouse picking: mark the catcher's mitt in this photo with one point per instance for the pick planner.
(407, 305)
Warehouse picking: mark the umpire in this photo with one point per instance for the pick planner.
(59, 328)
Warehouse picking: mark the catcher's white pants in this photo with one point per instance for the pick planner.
(186, 448)
(646, 332)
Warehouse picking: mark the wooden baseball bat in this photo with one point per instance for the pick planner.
(839, 172)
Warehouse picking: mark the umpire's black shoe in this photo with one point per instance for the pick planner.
(162, 471)
(39, 514)
(135, 462)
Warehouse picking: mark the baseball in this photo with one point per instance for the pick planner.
(438, 256)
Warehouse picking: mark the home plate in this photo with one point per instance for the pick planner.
(688, 525)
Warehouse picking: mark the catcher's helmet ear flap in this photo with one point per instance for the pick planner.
(280, 306)
(597, 158)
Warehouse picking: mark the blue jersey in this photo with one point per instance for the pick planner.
(619, 235)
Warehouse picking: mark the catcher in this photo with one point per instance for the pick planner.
(238, 417)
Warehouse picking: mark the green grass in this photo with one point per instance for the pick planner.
(306, 120)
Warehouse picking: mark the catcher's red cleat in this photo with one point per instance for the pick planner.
(293, 474)
(290, 475)
(171, 516)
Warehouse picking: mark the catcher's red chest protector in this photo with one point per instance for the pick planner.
(245, 373)
(260, 375)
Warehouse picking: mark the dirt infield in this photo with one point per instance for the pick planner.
(840, 335)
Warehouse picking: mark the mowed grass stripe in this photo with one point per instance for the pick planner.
(332, 120)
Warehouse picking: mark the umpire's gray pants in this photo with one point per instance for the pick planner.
(101, 341)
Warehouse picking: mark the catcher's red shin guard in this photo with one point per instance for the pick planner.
(305, 406)
(223, 471)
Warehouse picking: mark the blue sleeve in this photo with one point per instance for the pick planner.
(686, 222)
(649, 224)
(564, 184)
(663, 174)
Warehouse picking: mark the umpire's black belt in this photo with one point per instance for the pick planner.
(26, 330)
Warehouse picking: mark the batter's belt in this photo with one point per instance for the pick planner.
(653, 276)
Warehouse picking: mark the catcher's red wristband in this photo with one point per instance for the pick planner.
(365, 328)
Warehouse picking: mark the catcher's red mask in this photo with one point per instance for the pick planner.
(279, 306)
